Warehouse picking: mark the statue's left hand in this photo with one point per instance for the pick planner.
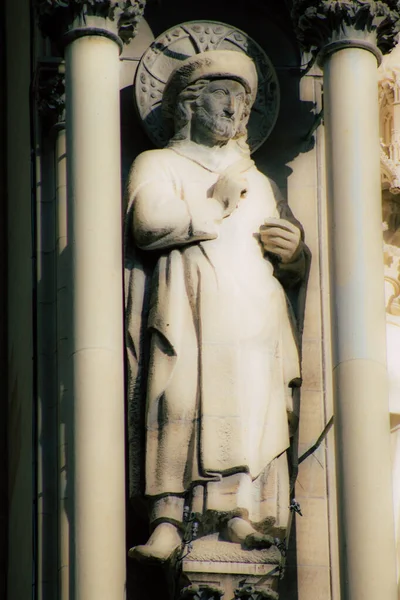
(281, 237)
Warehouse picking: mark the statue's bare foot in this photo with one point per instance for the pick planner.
(160, 546)
(240, 531)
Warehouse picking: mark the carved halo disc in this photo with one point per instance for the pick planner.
(185, 40)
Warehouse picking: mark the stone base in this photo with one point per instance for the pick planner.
(215, 569)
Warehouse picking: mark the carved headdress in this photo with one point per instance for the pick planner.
(216, 64)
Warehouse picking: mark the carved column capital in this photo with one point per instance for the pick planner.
(328, 25)
(58, 19)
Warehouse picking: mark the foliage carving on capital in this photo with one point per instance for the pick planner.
(50, 97)
(55, 16)
(318, 22)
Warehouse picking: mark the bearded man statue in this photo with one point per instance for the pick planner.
(211, 341)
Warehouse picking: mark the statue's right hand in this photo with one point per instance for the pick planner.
(231, 186)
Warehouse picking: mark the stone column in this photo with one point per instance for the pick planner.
(63, 277)
(347, 35)
(94, 216)
(63, 341)
(48, 89)
(95, 473)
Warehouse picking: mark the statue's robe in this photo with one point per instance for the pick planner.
(211, 345)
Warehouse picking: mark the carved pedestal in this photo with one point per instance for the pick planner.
(215, 569)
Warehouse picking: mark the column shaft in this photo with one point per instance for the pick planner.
(94, 194)
(358, 317)
(63, 379)
(46, 406)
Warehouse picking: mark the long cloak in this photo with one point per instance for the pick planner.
(211, 346)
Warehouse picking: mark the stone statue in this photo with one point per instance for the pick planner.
(211, 338)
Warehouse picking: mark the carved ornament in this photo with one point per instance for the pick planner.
(181, 196)
(392, 276)
(188, 39)
(50, 97)
(201, 592)
(56, 16)
(391, 253)
(251, 592)
(320, 22)
(389, 117)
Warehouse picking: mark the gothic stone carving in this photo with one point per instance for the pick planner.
(320, 21)
(185, 40)
(210, 342)
(50, 97)
(55, 16)
(233, 569)
(251, 592)
(391, 235)
(389, 105)
(201, 592)
(391, 248)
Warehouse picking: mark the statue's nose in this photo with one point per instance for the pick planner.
(229, 109)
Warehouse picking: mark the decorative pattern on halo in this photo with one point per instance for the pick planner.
(184, 41)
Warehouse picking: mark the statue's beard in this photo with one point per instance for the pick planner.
(221, 128)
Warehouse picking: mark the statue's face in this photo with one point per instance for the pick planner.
(218, 110)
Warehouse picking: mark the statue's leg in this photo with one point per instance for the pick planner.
(165, 519)
(171, 450)
(172, 417)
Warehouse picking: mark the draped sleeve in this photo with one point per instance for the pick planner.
(160, 215)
